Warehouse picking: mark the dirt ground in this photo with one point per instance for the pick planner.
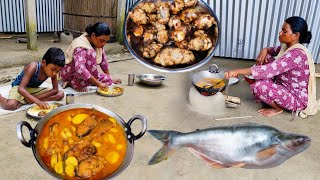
(166, 108)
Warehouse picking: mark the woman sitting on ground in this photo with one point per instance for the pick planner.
(284, 75)
(83, 56)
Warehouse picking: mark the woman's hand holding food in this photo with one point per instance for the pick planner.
(229, 74)
(103, 86)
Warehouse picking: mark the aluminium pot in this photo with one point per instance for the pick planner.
(213, 72)
(34, 132)
(201, 57)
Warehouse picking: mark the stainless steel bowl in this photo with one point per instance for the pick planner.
(201, 57)
(35, 133)
(151, 79)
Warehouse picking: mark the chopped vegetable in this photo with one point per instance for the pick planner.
(111, 139)
(113, 157)
(72, 160)
(79, 118)
(46, 143)
(70, 170)
(59, 167)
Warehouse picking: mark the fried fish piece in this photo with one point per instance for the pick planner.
(151, 50)
(81, 150)
(149, 36)
(86, 126)
(190, 3)
(200, 43)
(204, 21)
(90, 166)
(176, 6)
(139, 16)
(179, 34)
(199, 33)
(182, 44)
(163, 11)
(174, 22)
(137, 30)
(188, 15)
(162, 36)
(149, 7)
(174, 56)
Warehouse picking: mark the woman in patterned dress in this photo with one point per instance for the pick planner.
(84, 55)
(282, 73)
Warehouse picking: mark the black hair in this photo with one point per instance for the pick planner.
(299, 25)
(54, 56)
(98, 29)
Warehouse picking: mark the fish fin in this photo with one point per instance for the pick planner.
(211, 162)
(268, 152)
(165, 151)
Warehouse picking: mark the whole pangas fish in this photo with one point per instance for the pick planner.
(247, 146)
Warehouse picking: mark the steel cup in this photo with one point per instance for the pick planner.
(69, 98)
(131, 79)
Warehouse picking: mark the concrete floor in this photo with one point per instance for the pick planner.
(166, 108)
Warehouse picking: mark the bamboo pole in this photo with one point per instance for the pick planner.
(121, 13)
(31, 24)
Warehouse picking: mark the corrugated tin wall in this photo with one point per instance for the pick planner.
(49, 15)
(249, 25)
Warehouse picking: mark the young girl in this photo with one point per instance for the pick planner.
(284, 75)
(83, 56)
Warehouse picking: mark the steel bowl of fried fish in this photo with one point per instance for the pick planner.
(171, 35)
(111, 91)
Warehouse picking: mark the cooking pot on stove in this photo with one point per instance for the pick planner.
(35, 132)
(209, 89)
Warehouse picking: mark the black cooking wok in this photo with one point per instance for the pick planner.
(208, 89)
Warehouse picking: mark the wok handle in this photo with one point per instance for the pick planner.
(143, 120)
(214, 68)
(20, 134)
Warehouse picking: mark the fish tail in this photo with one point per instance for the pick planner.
(166, 150)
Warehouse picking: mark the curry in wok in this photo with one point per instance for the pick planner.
(86, 144)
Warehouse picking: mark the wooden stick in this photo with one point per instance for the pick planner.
(238, 117)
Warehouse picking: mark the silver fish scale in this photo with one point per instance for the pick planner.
(228, 144)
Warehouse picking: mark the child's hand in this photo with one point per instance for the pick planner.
(116, 81)
(43, 105)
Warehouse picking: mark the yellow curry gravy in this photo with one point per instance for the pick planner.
(82, 144)
(216, 83)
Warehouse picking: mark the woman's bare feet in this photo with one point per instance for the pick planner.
(65, 84)
(270, 112)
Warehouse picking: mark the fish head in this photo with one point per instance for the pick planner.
(294, 143)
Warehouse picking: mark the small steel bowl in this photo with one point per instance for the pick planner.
(250, 79)
(151, 79)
